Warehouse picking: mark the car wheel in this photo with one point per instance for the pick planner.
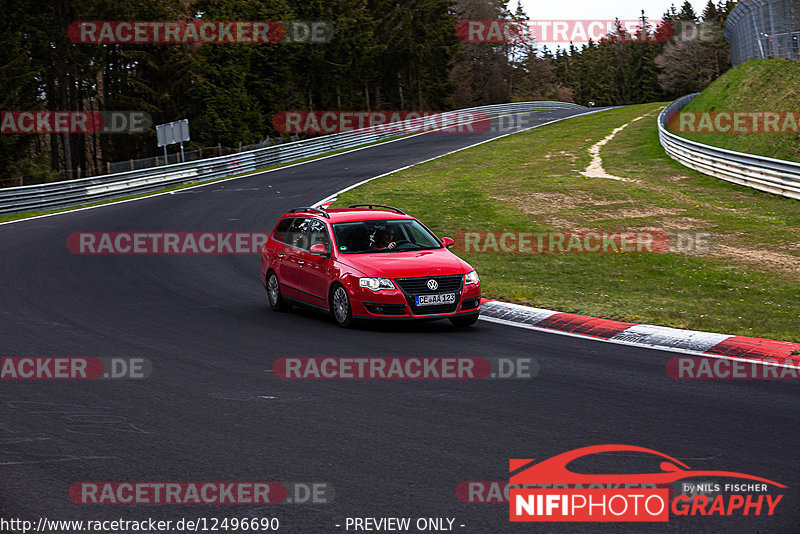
(340, 306)
(276, 300)
(464, 321)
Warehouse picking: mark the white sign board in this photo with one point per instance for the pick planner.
(172, 132)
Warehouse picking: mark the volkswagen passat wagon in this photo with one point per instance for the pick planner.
(367, 262)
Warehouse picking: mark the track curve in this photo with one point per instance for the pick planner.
(211, 410)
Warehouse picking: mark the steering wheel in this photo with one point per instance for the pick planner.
(404, 241)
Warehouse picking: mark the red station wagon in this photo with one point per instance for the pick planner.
(367, 262)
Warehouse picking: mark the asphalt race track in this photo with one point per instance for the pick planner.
(212, 411)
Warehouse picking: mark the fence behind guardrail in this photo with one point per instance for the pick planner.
(763, 29)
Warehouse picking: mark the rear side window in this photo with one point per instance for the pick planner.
(297, 235)
(279, 234)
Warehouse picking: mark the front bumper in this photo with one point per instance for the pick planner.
(399, 304)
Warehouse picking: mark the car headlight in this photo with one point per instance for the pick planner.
(471, 278)
(376, 284)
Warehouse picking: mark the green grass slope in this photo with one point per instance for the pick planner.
(764, 85)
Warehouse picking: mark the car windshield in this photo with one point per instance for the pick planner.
(383, 236)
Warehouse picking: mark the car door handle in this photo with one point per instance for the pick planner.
(280, 256)
(300, 263)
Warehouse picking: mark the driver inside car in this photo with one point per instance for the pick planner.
(384, 239)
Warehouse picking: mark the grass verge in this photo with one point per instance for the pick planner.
(763, 85)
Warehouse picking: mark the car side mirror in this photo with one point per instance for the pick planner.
(448, 242)
(319, 250)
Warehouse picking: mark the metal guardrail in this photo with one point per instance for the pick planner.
(98, 188)
(759, 172)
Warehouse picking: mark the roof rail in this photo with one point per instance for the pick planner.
(372, 206)
(323, 212)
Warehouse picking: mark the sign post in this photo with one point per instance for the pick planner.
(171, 133)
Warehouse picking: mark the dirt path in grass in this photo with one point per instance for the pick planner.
(595, 168)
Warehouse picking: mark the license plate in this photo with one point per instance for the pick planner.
(430, 300)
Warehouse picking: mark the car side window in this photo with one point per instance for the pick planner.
(282, 229)
(318, 234)
(297, 236)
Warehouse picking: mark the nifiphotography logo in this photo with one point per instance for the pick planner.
(549, 492)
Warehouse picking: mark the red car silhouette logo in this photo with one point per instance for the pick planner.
(554, 470)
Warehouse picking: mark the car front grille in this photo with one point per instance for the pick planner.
(419, 286)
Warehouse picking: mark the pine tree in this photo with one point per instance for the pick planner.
(710, 13)
(18, 92)
(687, 12)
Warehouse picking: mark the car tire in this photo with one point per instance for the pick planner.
(341, 311)
(465, 320)
(274, 297)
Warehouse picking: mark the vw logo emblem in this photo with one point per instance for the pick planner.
(432, 284)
